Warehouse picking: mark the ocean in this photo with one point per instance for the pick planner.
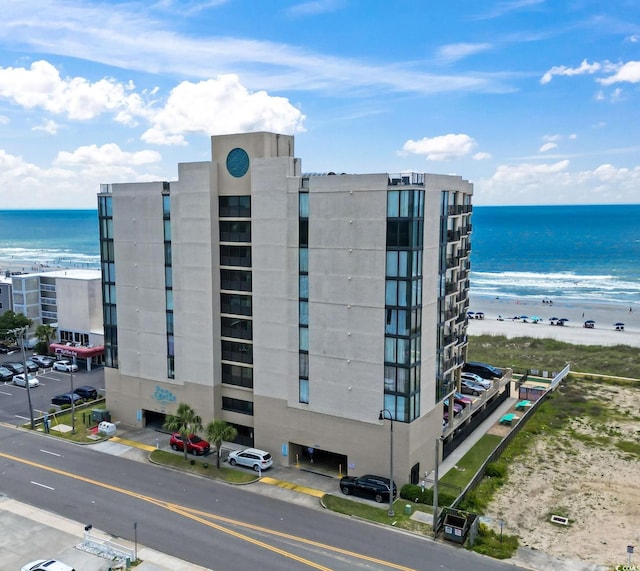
(539, 252)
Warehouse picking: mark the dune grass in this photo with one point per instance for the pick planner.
(526, 353)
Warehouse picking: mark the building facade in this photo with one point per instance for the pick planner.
(68, 300)
(302, 309)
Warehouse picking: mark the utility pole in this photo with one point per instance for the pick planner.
(20, 333)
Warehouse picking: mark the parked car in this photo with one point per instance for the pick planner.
(485, 370)
(457, 408)
(471, 388)
(66, 398)
(87, 392)
(32, 367)
(195, 445)
(486, 383)
(463, 400)
(15, 368)
(368, 486)
(43, 361)
(4, 348)
(20, 381)
(5, 375)
(47, 565)
(66, 366)
(252, 458)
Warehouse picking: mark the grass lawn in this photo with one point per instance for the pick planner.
(458, 477)
(83, 422)
(203, 466)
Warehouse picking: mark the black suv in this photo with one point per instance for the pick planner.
(368, 486)
(86, 392)
(483, 370)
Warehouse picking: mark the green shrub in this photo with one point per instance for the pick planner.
(65, 406)
(494, 544)
(416, 494)
(495, 470)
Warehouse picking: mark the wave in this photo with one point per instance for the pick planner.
(49, 257)
(568, 285)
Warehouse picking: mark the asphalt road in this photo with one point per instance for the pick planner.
(14, 404)
(216, 525)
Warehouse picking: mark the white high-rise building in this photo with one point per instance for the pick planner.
(299, 308)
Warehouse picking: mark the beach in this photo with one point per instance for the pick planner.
(573, 331)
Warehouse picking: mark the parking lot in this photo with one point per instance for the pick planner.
(14, 404)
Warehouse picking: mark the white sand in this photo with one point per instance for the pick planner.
(605, 315)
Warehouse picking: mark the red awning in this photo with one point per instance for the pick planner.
(72, 350)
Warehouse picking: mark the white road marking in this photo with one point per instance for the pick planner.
(52, 453)
(42, 485)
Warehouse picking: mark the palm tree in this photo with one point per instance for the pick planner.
(217, 431)
(186, 422)
(45, 333)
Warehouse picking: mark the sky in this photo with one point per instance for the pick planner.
(533, 101)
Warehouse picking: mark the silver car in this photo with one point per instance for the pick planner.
(252, 458)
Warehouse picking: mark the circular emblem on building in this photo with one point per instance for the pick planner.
(237, 162)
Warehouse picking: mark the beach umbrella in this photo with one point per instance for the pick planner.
(470, 313)
(590, 321)
(524, 317)
(618, 324)
(563, 319)
(535, 318)
(553, 319)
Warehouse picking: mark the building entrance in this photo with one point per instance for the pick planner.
(153, 419)
(317, 460)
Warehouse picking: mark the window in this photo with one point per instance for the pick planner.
(235, 256)
(237, 405)
(240, 352)
(303, 391)
(235, 304)
(235, 231)
(234, 206)
(238, 328)
(237, 375)
(237, 280)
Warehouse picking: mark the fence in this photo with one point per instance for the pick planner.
(107, 548)
(557, 379)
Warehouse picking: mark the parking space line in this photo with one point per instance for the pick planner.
(42, 485)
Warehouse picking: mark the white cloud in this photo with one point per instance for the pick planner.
(42, 87)
(554, 183)
(48, 126)
(635, 38)
(584, 68)
(442, 148)
(4, 120)
(109, 154)
(481, 156)
(73, 180)
(629, 72)
(551, 138)
(455, 52)
(221, 106)
(547, 147)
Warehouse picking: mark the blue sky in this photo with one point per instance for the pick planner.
(534, 101)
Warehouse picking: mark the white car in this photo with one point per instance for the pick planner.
(252, 458)
(66, 366)
(47, 565)
(19, 380)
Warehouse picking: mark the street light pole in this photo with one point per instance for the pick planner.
(73, 402)
(382, 416)
(20, 333)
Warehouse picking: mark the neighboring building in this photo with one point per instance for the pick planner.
(70, 301)
(295, 307)
(6, 303)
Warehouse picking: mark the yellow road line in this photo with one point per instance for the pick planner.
(146, 447)
(195, 515)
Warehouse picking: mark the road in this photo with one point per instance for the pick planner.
(216, 525)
